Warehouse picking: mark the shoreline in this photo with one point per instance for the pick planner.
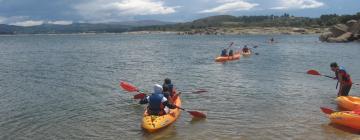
(241, 31)
(213, 31)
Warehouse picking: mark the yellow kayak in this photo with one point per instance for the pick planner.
(152, 123)
(349, 102)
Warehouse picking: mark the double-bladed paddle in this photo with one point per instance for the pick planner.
(131, 88)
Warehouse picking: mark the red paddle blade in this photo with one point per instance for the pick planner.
(197, 114)
(128, 87)
(326, 110)
(313, 72)
(140, 96)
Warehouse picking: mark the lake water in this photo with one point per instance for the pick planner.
(67, 86)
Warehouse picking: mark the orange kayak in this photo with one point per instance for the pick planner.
(348, 102)
(228, 58)
(346, 118)
(152, 123)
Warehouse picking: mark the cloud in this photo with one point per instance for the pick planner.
(120, 8)
(2, 19)
(230, 5)
(60, 22)
(28, 23)
(298, 4)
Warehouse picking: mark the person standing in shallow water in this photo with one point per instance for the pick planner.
(343, 78)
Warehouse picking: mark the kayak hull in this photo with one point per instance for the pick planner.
(246, 54)
(348, 102)
(346, 118)
(228, 58)
(152, 123)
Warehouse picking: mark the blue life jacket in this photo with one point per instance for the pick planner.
(155, 103)
(223, 53)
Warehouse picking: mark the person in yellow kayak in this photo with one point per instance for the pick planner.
(343, 78)
(167, 82)
(157, 102)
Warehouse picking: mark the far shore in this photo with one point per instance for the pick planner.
(240, 31)
(213, 31)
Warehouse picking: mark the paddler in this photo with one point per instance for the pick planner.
(157, 102)
(224, 52)
(343, 78)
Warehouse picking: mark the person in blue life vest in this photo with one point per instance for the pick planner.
(224, 52)
(343, 78)
(157, 102)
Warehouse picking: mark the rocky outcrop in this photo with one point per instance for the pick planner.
(342, 32)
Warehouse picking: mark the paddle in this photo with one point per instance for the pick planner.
(195, 114)
(230, 45)
(131, 88)
(128, 87)
(314, 72)
(327, 110)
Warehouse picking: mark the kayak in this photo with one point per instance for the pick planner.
(349, 102)
(245, 54)
(152, 123)
(346, 118)
(228, 58)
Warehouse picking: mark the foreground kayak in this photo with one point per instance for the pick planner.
(346, 118)
(348, 102)
(152, 123)
(228, 58)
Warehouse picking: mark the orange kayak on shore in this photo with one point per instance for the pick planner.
(349, 102)
(228, 58)
(346, 118)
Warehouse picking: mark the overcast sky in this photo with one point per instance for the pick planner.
(36, 12)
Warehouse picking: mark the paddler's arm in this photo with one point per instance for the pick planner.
(144, 101)
(171, 106)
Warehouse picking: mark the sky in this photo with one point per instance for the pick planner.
(63, 12)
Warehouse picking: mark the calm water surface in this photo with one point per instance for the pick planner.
(66, 86)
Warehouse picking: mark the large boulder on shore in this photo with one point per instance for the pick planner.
(343, 32)
(342, 38)
(339, 29)
(354, 26)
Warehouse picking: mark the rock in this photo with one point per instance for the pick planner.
(342, 38)
(354, 26)
(339, 29)
(324, 37)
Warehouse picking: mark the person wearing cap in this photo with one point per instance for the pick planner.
(343, 78)
(157, 102)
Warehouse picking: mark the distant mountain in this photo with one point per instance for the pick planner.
(143, 23)
(114, 27)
